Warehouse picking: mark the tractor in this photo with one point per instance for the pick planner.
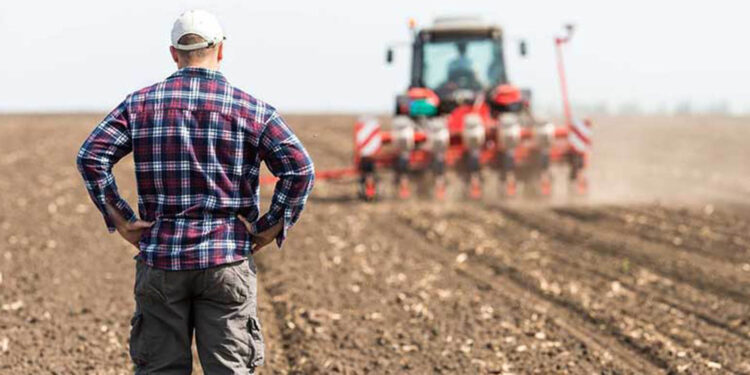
(461, 112)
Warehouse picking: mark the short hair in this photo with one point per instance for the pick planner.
(196, 54)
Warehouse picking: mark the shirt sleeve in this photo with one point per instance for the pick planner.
(105, 146)
(288, 160)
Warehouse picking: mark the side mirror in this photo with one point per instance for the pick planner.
(389, 56)
(522, 49)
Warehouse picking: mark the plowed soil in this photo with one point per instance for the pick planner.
(650, 274)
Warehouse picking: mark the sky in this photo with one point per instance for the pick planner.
(322, 56)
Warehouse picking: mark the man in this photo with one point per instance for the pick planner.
(197, 143)
(461, 73)
(461, 63)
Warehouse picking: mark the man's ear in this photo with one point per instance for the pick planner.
(173, 51)
(220, 55)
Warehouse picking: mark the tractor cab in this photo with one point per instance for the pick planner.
(456, 59)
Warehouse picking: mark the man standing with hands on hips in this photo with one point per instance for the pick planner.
(197, 143)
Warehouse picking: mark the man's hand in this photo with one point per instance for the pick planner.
(131, 232)
(260, 240)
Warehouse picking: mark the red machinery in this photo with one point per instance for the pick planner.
(461, 113)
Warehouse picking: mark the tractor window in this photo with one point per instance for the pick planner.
(462, 64)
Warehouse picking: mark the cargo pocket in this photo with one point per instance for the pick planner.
(137, 347)
(149, 284)
(257, 346)
(225, 284)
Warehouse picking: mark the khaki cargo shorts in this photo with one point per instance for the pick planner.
(218, 304)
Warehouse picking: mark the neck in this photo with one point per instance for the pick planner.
(200, 64)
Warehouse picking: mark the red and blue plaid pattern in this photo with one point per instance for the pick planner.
(197, 143)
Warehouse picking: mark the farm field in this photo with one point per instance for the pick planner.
(649, 274)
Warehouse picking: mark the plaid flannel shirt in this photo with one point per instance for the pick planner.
(197, 143)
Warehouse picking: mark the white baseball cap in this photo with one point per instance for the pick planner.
(198, 22)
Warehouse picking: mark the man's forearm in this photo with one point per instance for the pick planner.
(288, 160)
(114, 214)
(106, 145)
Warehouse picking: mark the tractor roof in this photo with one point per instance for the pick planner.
(461, 24)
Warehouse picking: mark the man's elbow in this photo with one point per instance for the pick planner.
(85, 161)
(311, 174)
(80, 161)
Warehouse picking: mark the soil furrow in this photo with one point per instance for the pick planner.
(690, 236)
(585, 333)
(638, 358)
(723, 228)
(698, 271)
(724, 313)
(278, 362)
(636, 301)
(487, 279)
(615, 272)
(437, 318)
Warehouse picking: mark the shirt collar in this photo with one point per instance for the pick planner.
(199, 73)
